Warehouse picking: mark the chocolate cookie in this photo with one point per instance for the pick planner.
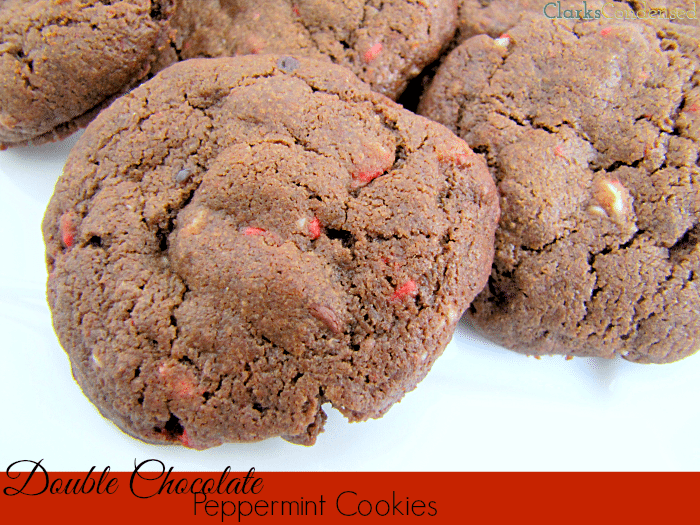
(61, 59)
(592, 132)
(241, 240)
(385, 43)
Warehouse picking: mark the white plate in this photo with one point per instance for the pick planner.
(480, 408)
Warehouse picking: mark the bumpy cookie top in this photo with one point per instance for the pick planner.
(592, 132)
(238, 241)
(60, 59)
(385, 43)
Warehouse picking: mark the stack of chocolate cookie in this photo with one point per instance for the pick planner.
(239, 240)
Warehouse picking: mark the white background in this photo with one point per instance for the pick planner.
(480, 408)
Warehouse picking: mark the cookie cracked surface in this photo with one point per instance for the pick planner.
(592, 132)
(60, 60)
(239, 241)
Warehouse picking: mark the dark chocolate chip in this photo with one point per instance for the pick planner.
(287, 64)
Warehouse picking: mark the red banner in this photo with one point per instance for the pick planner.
(155, 491)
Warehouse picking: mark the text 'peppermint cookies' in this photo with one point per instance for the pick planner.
(239, 241)
(592, 131)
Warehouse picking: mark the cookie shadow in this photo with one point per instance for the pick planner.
(596, 375)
